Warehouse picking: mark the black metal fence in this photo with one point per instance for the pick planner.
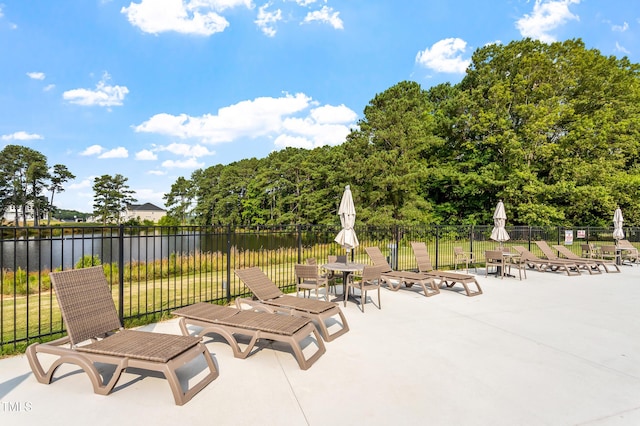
(154, 270)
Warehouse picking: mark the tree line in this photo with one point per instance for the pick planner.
(551, 129)
(27, 182)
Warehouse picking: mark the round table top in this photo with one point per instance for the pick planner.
(345, 267)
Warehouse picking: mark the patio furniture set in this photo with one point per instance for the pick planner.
(95, 335)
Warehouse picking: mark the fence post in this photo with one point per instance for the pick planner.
(228, 295)
(121, 273)
(299, 231)
(437, 245)
(529, 239)
(471, 239)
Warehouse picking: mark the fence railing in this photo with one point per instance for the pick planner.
(154, 270)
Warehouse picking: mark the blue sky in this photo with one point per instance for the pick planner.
(155, 89)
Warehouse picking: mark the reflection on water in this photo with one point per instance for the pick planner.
(66, 251)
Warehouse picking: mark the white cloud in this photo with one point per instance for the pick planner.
(266, 20)
(621, 49)
(36, 75)
(284, 141)
(92, 150)
(146, 155)
(289, 120)
(187, 150)
(199, 17)
(49, 87)
(119, 152)
(445, 56)
(333, 114)
(103, 95)
(21, 136)
(305, 2)
(621, 28)
(325, 15)
(156, 172)
(83, 184)
(252, 118)
(190, 163)
(547, 16)
(146, 195)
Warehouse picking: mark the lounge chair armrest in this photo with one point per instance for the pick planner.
(255, 305)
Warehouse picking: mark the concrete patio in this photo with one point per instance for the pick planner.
(548, 350)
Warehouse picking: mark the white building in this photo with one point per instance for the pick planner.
(9, 215)
(146, 211)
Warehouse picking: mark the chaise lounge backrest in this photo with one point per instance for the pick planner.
(86, 303)
(261, 285)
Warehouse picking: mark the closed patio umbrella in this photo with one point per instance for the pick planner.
(347, 236)
(618, 233)
(499, 233)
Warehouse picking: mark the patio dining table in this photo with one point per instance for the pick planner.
(346, 269)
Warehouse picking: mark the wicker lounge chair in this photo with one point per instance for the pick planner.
(395, 279)
(586, 264)
(447, 278)
(228, 322)
(606, 264)
(546, 265)
(267, 293)
(90, 317)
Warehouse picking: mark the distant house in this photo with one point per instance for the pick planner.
(146, 211)
(10, 214)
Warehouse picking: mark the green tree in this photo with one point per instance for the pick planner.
(387, 167)
(111, 197)
(59, 175)
(24, 172)
(179, 200)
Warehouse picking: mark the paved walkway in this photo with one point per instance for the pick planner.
(549, 350)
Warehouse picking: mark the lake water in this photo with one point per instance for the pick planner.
(51, 253)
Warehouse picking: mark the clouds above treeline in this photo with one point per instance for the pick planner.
(451, 55)
(208, 17)
(289, 120)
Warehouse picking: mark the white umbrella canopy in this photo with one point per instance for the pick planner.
(499, 233)
(347, 236)
(618, 233)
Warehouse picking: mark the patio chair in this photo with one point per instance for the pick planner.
(515, 260)
(449, 279)
(330, 276)
(611, 252)
(308, 278)
(463, 258)
(586, 264)
(229, 322)
(606, 264)
(370, 279)
(496, 259)
(546, 265)
(90, 317)
(267, 293)
(628, 251)
(395, 279)
(589, 250)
